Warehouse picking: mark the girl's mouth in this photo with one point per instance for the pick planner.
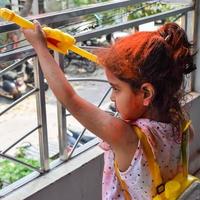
(115, 108)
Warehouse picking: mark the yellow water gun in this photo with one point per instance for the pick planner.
(56, 39)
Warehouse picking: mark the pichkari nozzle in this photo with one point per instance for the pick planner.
(10, 15)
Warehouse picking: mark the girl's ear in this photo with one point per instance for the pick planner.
(148, 91)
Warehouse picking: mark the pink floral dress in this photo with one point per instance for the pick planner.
(138, 178)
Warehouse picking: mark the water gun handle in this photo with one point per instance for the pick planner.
(56, 39)
(62, 42)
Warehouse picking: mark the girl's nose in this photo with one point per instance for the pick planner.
(112, 97)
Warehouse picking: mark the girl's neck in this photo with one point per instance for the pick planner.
(155, 115)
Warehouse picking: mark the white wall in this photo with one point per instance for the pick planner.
(82, 184)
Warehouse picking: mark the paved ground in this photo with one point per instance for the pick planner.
(22, 118)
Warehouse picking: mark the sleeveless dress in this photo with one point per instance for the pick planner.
(167, 150)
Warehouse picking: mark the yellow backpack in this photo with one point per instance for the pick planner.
(173, 189)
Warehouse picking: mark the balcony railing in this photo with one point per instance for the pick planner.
(22, 54)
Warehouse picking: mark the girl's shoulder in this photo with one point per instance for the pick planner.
(148, 125)
(157, 132)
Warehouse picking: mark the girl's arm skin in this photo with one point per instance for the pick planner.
(114, 131)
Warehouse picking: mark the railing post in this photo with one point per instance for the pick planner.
(41, 116)
(196, 84)
(61, 114)
(188, 26)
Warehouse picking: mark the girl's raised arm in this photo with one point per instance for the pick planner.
(102, 124)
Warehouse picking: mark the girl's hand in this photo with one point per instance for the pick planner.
(36, 37)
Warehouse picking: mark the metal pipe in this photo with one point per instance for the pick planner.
(196, 41)
(102, 31)
(131, 23)
(19, 100)
(16, 64)
(62, 130)
(81, 134)
(41, 116)
(20, 162)
(59, 16)
(19, 140)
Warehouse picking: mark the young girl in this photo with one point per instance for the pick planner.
(146, 72)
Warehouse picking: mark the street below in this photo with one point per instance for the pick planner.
(22, 118)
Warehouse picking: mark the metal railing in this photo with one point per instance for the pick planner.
(26, 52)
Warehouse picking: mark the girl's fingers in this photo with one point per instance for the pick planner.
(37, 26)
(35, 36)
(25, 30)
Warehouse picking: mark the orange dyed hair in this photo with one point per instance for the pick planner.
(159, 57)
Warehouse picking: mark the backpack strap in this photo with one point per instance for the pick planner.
(184, 147)
(154, 168)
(123, 185)
(158, 185)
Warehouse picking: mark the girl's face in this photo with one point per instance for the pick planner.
(128, 103)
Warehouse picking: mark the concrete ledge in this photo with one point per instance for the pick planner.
(54, 184)
(192, 193)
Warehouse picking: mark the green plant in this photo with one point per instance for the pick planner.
(147, 9)
(11, 171)
(137, 11)
(118, 15)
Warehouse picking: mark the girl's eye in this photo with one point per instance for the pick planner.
(115, 89)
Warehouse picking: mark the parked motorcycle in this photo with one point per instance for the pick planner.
(79, 62)
(10, 85)
(13, 84)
